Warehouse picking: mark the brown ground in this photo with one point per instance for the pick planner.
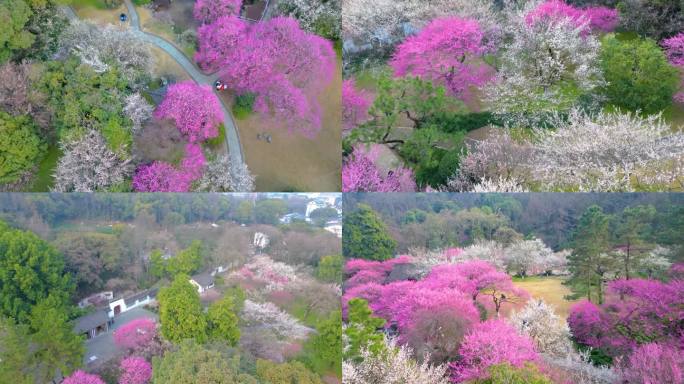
(550, 290)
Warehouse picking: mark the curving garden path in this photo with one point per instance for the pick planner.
(232, 137)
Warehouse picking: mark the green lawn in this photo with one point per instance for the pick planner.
(43, 179)
(98, 4)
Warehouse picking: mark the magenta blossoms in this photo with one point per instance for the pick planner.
(164, 177)
(135, 334)
(355, 105)
(360, 173)
(207, 11)
(601, 19)
(447, 51)
(194, 108)
(80, 377)
(135, 370)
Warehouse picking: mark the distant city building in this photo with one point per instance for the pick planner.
(321, 202)
(202, 281)
(292, 217)
(334, 227)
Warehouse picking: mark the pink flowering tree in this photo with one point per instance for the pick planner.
(208, 11)
(674, 48)
(360, 173)
(490, 343)
(135, 370)
(601, 19)
(283, 65)
(136, 334)
(355, 105)
(80, 377)
(164, 177)
(654, 363)
(636, 311)
(447, 51)
(194, 108)
(218, 40)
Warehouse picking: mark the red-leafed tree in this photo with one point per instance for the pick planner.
(135, 370)
(355, 105)
(194, 108)
(208, 11)
(447, 51)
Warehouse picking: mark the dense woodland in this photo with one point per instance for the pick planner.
(469, 288)
(272, 317)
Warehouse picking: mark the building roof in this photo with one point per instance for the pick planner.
(91, 321)
(140, 296)
(204, 279)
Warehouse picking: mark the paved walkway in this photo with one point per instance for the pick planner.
(232, 137)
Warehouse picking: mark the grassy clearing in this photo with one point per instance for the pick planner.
(550, 289)
(43, 179)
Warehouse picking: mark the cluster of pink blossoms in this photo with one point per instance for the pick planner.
(283, 65)
(355, 105)
(164, 177)
(674, 48)
(601, 19)
(360, 173)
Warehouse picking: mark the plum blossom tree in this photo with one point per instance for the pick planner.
(269, 317)
(88, 165)
(135, 370)
(360, 173)
(284, 66)
(222, 175)
(594, 18)
(135, 334)
(163, 177)
(654, 363)
(208, 11)
(607, 152)
(545, 67)
(674, 48)
(80, 377)
(138, 110)
(394, 366)
(447, 51)
(218, 40)
(528, 256)
(489, 343)
(194, 108)
(355, 105)
(537, 320)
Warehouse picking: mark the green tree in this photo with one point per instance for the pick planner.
(245, 212)
(365, 235)
(632, 230)
(20, 146)
(180, 311)
(324, 349)
(285, 373)
(269, 211)
(57, 347)
(186, 261)
(30, 271)
(190, 362)
(637, 74)
(17, 364)
(589, 261)
(157, 264)
(508, 374)
(15, 14)
(223, 322)
(321, 216)
(362, 330)
(330, 268)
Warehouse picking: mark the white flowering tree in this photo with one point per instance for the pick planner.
(138, 110)
(101, 48)
(316, 16)
(545, 67)
(223, 175)
(656, 262)
(88, 165)
(608, 152)
(527, 257)
(396, 366)
(549, 332)
(487, 250)
(267, 317)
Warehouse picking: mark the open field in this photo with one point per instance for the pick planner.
(550, 289)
